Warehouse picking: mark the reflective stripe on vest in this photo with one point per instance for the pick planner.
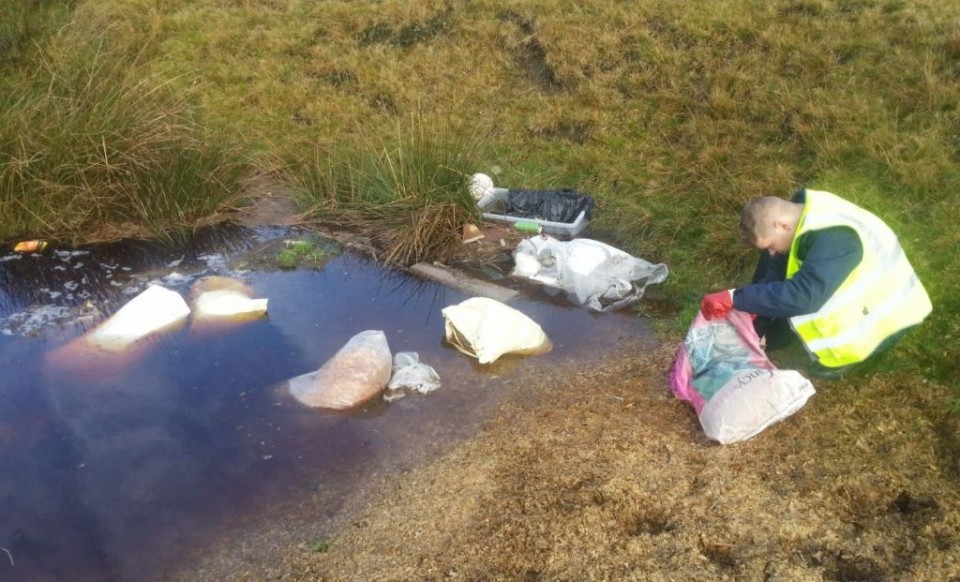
(881, 296)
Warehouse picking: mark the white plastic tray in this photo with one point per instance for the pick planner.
(498, 197)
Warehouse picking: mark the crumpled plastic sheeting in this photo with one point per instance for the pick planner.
(409, 373)
(593, 274)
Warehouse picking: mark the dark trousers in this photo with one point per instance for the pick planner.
(777, 331)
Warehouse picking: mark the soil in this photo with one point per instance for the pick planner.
(601, 474)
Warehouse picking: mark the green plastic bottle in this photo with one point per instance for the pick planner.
(528, 226)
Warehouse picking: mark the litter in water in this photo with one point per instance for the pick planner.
(30, 246)
(153, 310)
(487, 329)
(409, 373)
(358, 372)
(223, 297)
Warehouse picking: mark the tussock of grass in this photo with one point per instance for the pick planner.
(23, 23)
(95, 148)
(409, 191)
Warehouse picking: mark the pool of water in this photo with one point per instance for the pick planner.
(116, 466)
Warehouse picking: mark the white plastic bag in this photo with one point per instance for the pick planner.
(593, 274)
(487, 329)
(409, 373)
(359, 371)
(751, 401)
(229, 304)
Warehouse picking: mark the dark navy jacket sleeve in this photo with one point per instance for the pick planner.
(828, 256)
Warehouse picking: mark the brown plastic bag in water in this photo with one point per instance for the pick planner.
(358, 372)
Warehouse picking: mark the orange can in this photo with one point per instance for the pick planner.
(30, 246)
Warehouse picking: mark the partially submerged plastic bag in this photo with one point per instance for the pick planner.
(487, 329)
(155, 309)
(358, 372)
(593, 274)
(223, 297)
(734, 388)
(409, 373)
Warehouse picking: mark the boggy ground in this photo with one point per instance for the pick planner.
(604, 475)
(601, 474)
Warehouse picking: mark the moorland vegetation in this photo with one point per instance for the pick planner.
(145, 117)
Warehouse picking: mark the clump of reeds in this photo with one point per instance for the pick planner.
(92, 147)
(409, 192)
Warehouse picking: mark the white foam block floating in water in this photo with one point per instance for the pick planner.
(228, 303)
(223, 297)
(155, 309)
(358, 372)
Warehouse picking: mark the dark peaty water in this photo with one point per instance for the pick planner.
(116, 466)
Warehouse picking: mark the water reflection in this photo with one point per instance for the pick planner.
(112, 468)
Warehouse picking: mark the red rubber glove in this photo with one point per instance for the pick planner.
(717, 305)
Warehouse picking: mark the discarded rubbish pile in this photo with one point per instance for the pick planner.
(478, 327)
(593, 274)
(361, 370)
(357, 373)
(158, 309)
(736, 391)
(557, 212)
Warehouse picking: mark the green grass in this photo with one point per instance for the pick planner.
(671, 115)
(320, 546)
(23, 23)
(94, 147)
(408, 190)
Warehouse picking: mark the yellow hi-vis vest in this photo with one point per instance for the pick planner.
(881, 296)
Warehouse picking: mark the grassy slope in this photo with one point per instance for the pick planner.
(92, 146)
(671, 117)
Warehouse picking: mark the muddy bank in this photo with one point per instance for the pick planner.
(606, 476)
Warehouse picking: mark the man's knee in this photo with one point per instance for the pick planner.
(777, 333)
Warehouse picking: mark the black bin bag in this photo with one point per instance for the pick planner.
(562, 206)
